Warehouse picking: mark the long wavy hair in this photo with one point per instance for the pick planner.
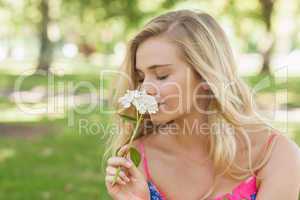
(206, 49)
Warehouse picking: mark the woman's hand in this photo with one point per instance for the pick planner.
(131, 184)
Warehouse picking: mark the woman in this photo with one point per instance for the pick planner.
(206, 141)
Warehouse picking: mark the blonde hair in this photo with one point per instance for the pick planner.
(205, 48)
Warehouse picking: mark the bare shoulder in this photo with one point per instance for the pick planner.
(284, 158)
(281, 174)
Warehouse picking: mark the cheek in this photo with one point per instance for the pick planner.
(172, 94)
(180, 95)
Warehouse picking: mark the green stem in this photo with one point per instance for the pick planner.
(136, 127)
(139, 117)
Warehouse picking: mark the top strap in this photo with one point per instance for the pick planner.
(266, 146)
(144, 158)
(270, 139)
(147, 171)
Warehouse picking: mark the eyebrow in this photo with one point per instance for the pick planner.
(152, 67)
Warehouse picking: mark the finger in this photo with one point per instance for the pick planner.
(112, 171)
(134, 171)
(110, 179)
(119, 161)
(124, 149)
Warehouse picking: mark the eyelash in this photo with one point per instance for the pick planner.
(159, 78)
(162, 77)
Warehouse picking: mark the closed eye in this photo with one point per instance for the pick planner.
(159, 78)
(162, 77)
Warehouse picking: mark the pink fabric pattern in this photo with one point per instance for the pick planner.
(245, 190)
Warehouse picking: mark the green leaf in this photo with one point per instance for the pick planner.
(135, 156)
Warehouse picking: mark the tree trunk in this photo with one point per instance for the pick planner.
(46, 49)
(269, 42)
(267, 54)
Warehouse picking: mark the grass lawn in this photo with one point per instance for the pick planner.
(60, 163)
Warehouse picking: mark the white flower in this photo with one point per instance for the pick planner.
(143, 102)
(127, 99)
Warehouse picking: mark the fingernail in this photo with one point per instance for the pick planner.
(129, 164)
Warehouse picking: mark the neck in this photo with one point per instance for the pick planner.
(188, 134)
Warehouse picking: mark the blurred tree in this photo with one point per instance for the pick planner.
(46, 47)
(267, 9)
(101, 17)
(295, 41)
(91, 24)
(31, 15)
(252, 20)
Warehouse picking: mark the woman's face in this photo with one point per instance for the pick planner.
(165, 75)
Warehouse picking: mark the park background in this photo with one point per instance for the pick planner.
(52, 53)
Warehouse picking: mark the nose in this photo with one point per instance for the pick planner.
(150, 88)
